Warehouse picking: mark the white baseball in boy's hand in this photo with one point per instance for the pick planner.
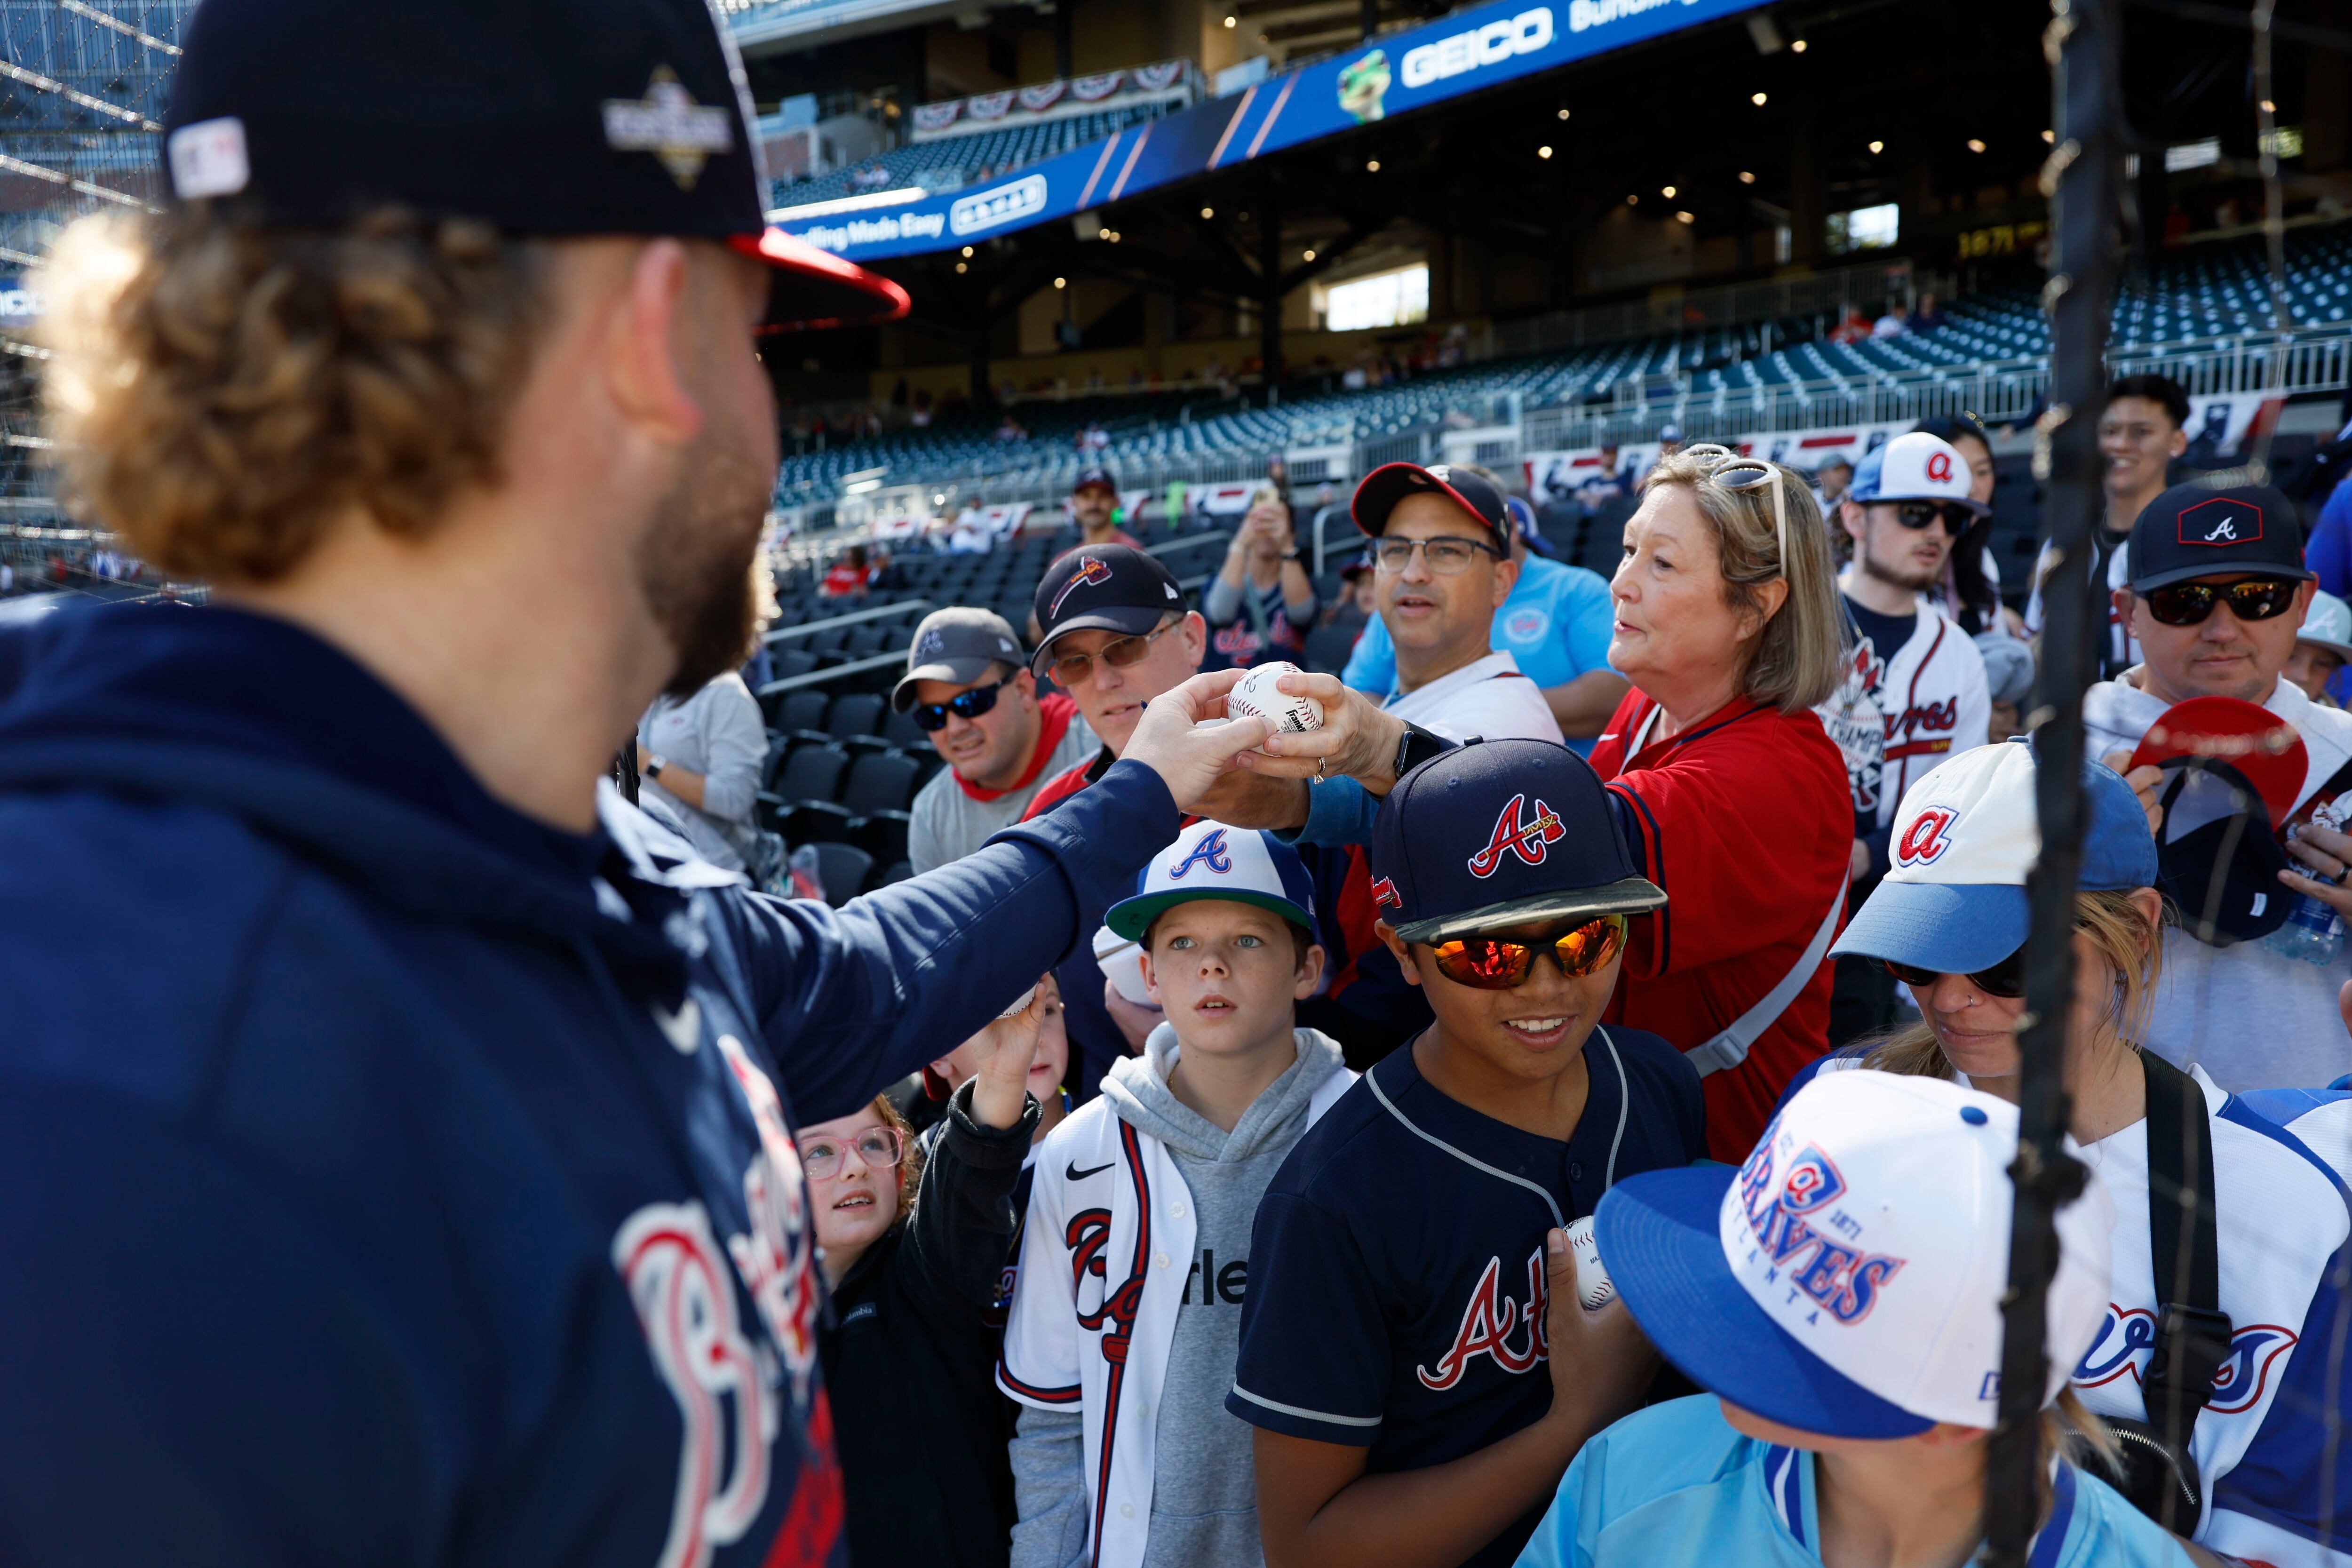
(1258, 697)
(1594, 1286)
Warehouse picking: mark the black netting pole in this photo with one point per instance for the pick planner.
(2082, 181)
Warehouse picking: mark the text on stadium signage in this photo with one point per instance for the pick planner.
(1005, 204)
(1490, 44)
(1583, 14)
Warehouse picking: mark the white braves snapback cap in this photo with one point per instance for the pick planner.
(1847, 1280)
(1211, 861)
(1914, 466)
(1953, 900)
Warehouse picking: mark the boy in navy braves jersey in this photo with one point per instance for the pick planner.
(1394, 1344)
(1135, 1258)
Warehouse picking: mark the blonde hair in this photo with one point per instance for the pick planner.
(2120, 933)
(221, 393)
(1800, 654)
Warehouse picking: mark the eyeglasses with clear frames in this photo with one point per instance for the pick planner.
(1734, 472)
(879, 1147)
(1446, 556)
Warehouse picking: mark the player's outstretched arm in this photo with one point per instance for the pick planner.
(1318, 1508)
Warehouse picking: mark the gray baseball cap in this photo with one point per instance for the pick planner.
(956, 645)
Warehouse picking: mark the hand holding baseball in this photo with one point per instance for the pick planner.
(1357, 739)
(1599, 1361)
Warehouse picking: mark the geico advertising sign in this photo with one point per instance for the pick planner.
(1490, 44)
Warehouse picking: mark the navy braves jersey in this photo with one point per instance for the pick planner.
(1397, 1291)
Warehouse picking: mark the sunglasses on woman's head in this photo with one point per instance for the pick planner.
(969, 704)
(1734, 472)
(879, 1147)
(1501, 963)
(2005, 979)
(2255, 599)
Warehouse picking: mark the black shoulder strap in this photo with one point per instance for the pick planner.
(2192, 1334)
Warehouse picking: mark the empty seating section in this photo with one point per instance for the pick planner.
(953, 162)
(2198, 293)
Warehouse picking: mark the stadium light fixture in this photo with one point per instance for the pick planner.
(1747, 177)
(967, 253)
(1061, 282)
(1876, 148)
(1563, 112)
(963, 266)
(2050, 136)
(1543, 152)
(1685, 217)
(1233, 21)
(1797, 47)
(1668, 192)
(1975, 146)
(1208, 213)
(1371, 165)
(1307, 254)
(2268, 107)
(1632, 200)
(1757, 98)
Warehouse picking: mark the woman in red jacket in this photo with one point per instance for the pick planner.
(1730, 794)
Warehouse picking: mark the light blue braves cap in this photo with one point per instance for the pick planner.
(1210, 860)
(1963, 841)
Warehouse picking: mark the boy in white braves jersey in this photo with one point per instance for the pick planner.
(1135, 1257)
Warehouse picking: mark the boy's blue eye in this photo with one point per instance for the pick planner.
(1180, 942)
(1246, 941)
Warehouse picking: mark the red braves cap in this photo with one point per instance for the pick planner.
(1500, 833)
(1385, 486)
(2263, 747)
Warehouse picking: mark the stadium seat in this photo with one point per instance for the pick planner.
(791, 661)
(802, 709)
(859, 713)
(811, 774)
(882, 834)
(884, 782)
(844, 868)
(901, 730)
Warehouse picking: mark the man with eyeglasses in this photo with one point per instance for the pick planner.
(1914, 693)
(1443, 564)
(2217, 596)
(967, 686)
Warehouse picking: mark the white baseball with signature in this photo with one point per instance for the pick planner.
(1593, 1287)
(1258, 697)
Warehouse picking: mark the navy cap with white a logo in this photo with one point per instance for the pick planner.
(597, 116)
(1501, 833)
(2196, 531)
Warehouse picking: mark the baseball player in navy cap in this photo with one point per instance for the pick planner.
(1403, 1291)
(1839, 1298)
(420, 1184)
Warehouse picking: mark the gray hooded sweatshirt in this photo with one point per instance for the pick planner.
(1204, 1500)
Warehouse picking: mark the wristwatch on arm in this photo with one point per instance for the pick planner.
(655, 765)
(1415, 747)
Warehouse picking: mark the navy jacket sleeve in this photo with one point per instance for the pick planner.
(958, 1239)
(853, 999)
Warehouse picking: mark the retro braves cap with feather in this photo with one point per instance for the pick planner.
(1500, 833)
(1106, 588)
(1962, 842)
(2196, 531)
(1847, 1280)
(595, 117)
(1210, 860)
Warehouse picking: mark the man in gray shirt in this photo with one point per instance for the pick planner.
(968, 685)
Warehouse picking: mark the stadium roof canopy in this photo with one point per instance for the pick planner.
(1472, 50)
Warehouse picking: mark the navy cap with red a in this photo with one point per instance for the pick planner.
(1496, 833)
(600, 117)
(2198, 530)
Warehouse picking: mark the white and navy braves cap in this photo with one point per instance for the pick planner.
(1914, 466)
(1210, 860)
(1847, 1280)
(1962, 842)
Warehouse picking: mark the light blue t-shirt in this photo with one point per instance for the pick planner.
(1556, 623)
(1675, 1487)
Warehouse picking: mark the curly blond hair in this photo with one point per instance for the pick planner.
(220, 392)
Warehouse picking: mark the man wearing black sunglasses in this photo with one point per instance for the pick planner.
(967, 686)
(2217, 595)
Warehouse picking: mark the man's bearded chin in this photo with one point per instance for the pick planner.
(1912, 581)
(694, 566)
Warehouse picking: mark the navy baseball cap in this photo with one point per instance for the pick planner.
(2196, 531)
(1109, 588)
(604, 117)
(1097, 477)
(1500, 833)
(1963, 842)
(1391, 483)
